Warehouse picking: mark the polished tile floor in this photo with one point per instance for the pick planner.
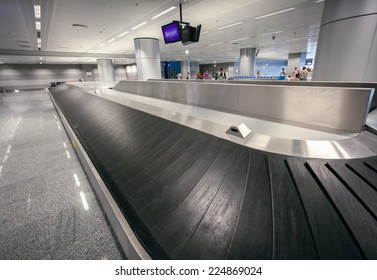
(48, 209)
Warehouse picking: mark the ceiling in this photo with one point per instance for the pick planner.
(295, 30)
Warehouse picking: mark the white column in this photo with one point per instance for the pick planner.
(247, 61)
(106, 71)
(347, 44)
(147, 53)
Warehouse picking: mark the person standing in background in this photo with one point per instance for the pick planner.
(304, 74)
(205, 75)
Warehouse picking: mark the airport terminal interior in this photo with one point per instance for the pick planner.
(188, 129)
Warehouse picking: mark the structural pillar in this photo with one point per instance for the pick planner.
(106, 71)
(247, 61)
(147, 53)
(347, 44)
(295, 60)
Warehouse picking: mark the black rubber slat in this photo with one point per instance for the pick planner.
(363, 191)
(175, 230)
(372, 163)
(163, 195)
(361, 223)
(253, 235)
(291, 234)
(363, 171)
(213, 235)
(332, 238)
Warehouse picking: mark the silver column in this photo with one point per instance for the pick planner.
(247, 61)
(347, 45)
(106, 70)
(147, 53)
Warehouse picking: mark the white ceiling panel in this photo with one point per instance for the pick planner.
(296, 30)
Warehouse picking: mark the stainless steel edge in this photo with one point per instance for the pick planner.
(334, 108)
(266, 136)
(130, 244)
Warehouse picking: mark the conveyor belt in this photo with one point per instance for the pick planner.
(190, 195)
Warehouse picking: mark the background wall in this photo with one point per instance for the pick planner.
(23, 76)
(270, 67)
(265, 67)
(131, 72)
(37, 76)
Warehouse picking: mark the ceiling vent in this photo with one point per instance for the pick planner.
(79, 25)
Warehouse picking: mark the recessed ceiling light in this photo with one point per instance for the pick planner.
(230, 25)
(37, 11)
(39, 40)
(111, 40)
(319, 1)
(38, 25)
(139, 25)
(164, 12)
(279, 12)
(1, 62)
(187, 52)
(124, 33)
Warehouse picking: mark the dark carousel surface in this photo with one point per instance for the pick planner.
(191, 195)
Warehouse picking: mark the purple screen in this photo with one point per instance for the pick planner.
(171, 33)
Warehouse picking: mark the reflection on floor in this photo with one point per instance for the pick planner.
(48, 209)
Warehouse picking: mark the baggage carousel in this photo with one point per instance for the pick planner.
(188, 194)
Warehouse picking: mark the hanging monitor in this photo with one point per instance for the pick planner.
(196, 35)
(190, 34)
(187, 33)
(171, 32)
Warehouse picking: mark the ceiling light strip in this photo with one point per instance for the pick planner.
(111, 40)
(276, 13)
(124, 33)
(137, 26)
(215, 44)
(230, 25)
(38, 25)
(241, 39)
(297, 39)
(164, 12)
